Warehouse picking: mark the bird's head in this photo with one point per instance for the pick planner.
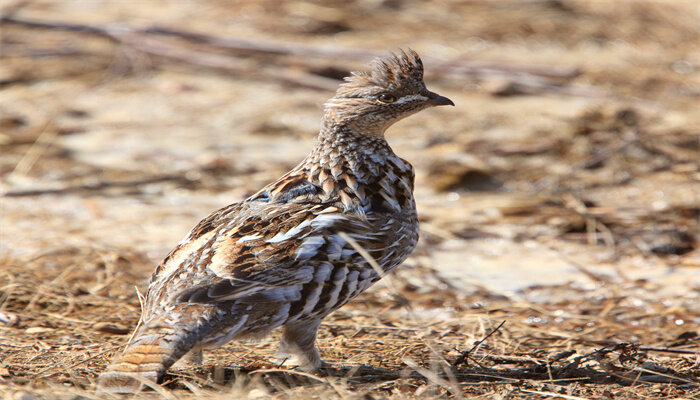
(370, 101)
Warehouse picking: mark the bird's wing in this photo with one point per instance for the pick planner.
(260, 252)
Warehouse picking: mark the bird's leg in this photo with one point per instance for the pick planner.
(299, 340)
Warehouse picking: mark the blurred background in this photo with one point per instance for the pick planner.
(566, 176)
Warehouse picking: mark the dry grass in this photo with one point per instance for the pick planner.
(560, 196)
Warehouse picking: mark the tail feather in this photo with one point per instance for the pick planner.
(146, 359)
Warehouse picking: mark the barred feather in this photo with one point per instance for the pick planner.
(279, 258)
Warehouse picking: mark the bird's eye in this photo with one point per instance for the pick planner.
(386, 98)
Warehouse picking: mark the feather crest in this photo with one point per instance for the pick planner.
(396, 72)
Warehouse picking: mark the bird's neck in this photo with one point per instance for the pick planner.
(357, 172)
(342, 150)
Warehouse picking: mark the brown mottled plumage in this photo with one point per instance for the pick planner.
(278, 258)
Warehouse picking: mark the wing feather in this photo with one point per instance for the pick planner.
(253, 260)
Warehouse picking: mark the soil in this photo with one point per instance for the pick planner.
(559, 200)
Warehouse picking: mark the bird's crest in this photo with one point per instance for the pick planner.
(396, 72)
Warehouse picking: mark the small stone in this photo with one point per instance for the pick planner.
(8, 319)
(38, 329)
(24, 396)
(258, 394)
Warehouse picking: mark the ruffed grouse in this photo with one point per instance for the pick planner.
(279, 258)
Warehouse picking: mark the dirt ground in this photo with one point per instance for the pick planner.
(559, 200)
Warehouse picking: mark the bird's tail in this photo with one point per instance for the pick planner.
(152, 351)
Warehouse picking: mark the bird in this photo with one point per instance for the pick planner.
(299, 248)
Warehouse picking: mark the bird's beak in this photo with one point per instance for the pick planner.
(437, 100)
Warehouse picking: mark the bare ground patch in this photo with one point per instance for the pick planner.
(560, 196)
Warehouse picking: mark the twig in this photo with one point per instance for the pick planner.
(63, 369)
(465, 355)
(503, 359)
(551, 394)
(434, 377)
(658, 377)
(387, 328)
(93, 187)
(265, 46)
(224, 63)
(24, 51)
(561, 355)
(289, 371)
(142, 40)
(666, 350)
(12, 8)
(298, 49)
(142, 300)
(525, 84)
(42, 142)
(577, 361)
(63, 26)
